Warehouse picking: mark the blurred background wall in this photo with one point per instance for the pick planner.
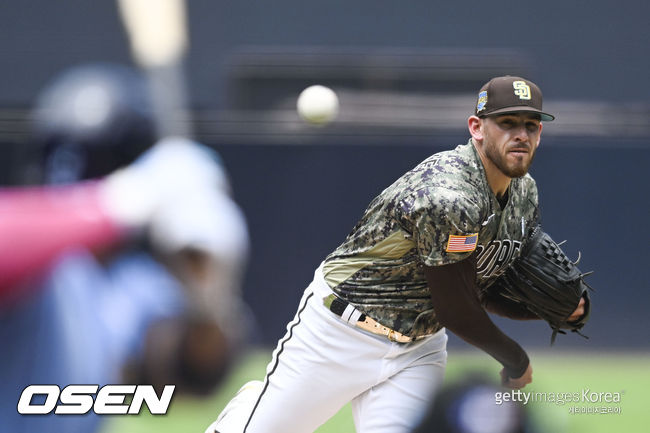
(407, 74)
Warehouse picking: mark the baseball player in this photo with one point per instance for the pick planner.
(370, 328)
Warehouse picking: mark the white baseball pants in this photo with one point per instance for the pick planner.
(322, 363)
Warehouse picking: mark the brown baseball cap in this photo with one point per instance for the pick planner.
(509, 94)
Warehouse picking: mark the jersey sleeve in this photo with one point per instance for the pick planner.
(444, 224)
(38, 224)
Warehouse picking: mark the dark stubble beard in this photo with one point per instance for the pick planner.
(501, 162)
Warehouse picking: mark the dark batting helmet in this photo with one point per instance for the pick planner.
(90, 120)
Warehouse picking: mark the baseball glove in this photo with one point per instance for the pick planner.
(547, 283)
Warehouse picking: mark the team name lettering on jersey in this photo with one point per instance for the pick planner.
(494, 258)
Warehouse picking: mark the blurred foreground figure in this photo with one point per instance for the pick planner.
(128, 269)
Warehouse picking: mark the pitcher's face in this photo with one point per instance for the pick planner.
(510, 141)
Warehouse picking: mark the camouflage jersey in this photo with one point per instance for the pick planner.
(437, 213)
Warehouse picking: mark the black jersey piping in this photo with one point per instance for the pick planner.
(277, 358)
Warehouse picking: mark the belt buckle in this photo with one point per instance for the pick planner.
(401, 338)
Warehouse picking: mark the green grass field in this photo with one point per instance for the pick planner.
(554, 373)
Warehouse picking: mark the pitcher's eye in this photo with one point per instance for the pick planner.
(532, 126)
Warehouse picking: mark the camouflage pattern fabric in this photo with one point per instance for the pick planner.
(379, 267)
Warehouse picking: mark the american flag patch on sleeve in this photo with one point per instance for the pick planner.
(462, 244)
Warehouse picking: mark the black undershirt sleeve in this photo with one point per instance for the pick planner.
(504, 307)
(455, 300)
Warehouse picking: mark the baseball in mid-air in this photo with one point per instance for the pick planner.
(318, 105)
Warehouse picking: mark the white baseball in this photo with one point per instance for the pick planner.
(318, 105)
